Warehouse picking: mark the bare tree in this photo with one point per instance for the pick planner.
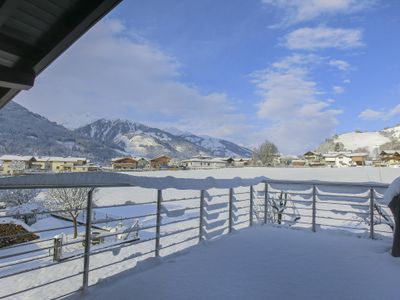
(265, 153)
(72, 200)
(17, 197)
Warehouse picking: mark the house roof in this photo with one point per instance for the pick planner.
(160, 157)
(16, 157)
(34, 33)
(66, 159)
(390, 152)
(118, 159)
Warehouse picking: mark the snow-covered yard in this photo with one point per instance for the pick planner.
(264, 262)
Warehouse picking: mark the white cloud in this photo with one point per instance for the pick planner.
(295, 11)
(112, 73)
(338, 89)
(340, 64)
(370, 114)
(308, 38)
(297, 120)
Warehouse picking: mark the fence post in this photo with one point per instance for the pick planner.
(230, 209)
(314, 208)
(201, 215)
(251, 206)
(158, 222)
(266, 204)
(371, 213)
(57, 248)
(88, 239)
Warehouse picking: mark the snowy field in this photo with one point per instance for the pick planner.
(264, 263)
(346, 213)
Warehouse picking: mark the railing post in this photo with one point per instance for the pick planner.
(230, 209)
(251, 206)
(266, 204)
(371, 213)
(158, 222)
(57, 248)
(314, 208)
(88, 240)
(201, 216)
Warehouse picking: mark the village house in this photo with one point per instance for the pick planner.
(314, 159)
(241, 161)
(160, 162)
(390, 157)
(345, 159)
(359, 158)
(69, 164)
(298, 163)
(205, 162)
(124, 163)
(16, 164)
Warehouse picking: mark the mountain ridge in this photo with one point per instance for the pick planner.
(27, 133)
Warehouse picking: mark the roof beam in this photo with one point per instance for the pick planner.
(6, 8)
(18, 48)
(16, 79)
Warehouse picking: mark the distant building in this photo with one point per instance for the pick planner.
(160, 162)
(143, 163)
(124, 163)
(314, 159)
(206, 162)
(298, 163)
(69, 164)
(390, 157)
(359, 158)
(345, 159)
(16, 164)
(241, 161)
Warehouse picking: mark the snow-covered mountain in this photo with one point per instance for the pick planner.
(26, 133)
(217, 147)
(138, 139)
(371, 141)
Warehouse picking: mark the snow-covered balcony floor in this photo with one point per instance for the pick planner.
(263, 262)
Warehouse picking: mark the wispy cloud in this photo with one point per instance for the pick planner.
(321, 37)
(305, 10)
(112, 73)
(371, 114)
(291, 105)
(340, 64)
(338, 89)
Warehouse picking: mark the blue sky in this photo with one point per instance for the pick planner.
(293, 72)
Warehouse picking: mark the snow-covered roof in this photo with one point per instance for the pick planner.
(390, 151)
(67, 159)
(159, 157)
(16, 157)
(124, 157)
(358, 154)
(344, 153)
(42, 158)
(208, 160)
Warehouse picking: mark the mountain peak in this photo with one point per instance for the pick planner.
(138, 139)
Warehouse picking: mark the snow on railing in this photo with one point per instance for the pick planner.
(182, 213)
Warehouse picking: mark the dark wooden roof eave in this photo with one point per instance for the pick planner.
(32, 59)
